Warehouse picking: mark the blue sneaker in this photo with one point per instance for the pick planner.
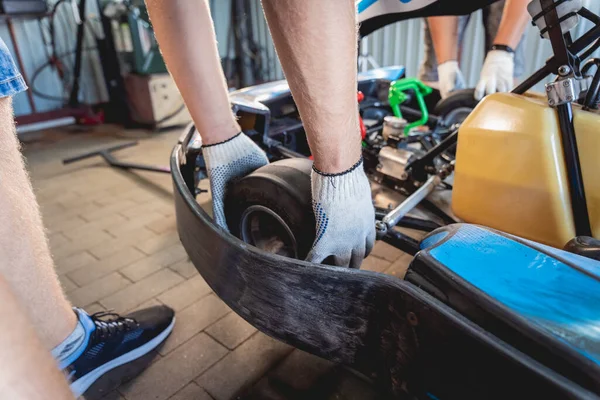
(112, 340)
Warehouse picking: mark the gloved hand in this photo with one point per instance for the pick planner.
(345, 217)
(497, 73)
(450, 78)
(228, 160)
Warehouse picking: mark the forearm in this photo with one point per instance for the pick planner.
(515, 19)
(184, 30)
(317, 44)
(444, 34)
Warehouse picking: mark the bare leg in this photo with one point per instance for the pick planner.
(184, 30)
(26, 262)
(317, 45)
(27, 371)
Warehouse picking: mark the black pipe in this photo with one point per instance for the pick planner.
(590, 16)
(579, 45)
(410, 112)
(97, 152)
(434, 209)
(533, 80)
(417, 167)
(118, 109)
(113, 162)
(574, 174)
(74, 97)
(402, 242)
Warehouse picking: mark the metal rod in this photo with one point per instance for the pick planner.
(113, 162)
(574, 175)
(411, 202)
(418, 224)
(98, 152)
(126, 165)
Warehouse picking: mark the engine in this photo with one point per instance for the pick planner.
(398, 151)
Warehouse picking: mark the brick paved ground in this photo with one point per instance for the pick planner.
(114, 240)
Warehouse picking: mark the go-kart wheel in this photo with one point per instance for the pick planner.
(456, 107)
(271, 208)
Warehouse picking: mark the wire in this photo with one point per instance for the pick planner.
(47, 64)
(60, 61)
(593, 92)
(589, 64)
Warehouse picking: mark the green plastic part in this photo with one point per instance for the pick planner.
(397, 95)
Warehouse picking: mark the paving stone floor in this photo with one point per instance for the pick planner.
(114, 241)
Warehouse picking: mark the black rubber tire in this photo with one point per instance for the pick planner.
(284, 188)
(460, 98)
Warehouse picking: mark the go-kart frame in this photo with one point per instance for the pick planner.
(402, 338)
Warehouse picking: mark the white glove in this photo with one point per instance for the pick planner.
(450, 78)
(497, 73)
(345, 217)
(228, 160)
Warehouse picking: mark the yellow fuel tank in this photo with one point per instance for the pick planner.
(510, 171)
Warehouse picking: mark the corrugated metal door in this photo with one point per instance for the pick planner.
(402, 44)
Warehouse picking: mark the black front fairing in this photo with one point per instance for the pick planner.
(375, 14)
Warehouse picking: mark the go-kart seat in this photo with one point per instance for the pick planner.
(543, 301)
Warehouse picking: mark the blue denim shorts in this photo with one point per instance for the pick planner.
(11, 81)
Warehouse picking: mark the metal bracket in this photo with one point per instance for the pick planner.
(566, 90)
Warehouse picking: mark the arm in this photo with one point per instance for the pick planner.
(316, 43)
(444, 34)
(185, 33)
(184, 30)
(497, 72)
(515, 19)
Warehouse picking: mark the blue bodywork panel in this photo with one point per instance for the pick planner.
(556, 290)
(388, 73)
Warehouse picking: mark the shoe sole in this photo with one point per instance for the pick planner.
(82, 384)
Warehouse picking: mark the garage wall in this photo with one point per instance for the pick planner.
(401, 43)
(31, 33)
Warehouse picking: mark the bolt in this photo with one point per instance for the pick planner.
(549, 88)
(567, 83)
(551, 102)
(569, 98)
(381, 226)
(564, 70)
